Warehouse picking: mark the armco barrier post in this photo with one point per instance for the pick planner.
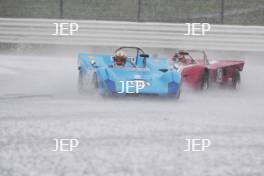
(138, 10)
(222, 11)
(61, 9)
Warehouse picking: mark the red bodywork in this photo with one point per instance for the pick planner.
(219, 71)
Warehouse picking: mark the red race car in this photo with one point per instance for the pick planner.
(199, 72)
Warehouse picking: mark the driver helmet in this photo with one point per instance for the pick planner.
(181, 57)
(120, 58)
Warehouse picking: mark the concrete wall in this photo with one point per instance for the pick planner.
(236, 11)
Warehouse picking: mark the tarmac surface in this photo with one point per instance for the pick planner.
(39, 101)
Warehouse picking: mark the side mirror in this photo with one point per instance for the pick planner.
(144, 55)
(93, 62)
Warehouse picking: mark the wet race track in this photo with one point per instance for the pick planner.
(137, 136)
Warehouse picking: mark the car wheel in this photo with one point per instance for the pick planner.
(178, 94)
(236, 80)
(205, 81)
(86, 82)
(81, 82)
(95, 81)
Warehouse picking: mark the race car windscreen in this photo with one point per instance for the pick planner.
(133, 56)
(196, 55)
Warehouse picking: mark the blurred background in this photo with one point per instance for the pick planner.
(242, 12)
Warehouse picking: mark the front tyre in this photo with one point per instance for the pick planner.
(175, 95)
(95, 81)
(236, 80)
(87, 82)
(178, 94)
(205, 81)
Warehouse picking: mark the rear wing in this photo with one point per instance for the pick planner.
(238, 64)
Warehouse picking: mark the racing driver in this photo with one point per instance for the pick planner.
(120, 58)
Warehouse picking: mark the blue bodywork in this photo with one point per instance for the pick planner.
(159, 77)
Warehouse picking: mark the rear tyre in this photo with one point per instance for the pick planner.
(177, 96)
(236, 80)
(205, 81)
(81, 82)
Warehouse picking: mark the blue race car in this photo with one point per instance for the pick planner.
(128, 71)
